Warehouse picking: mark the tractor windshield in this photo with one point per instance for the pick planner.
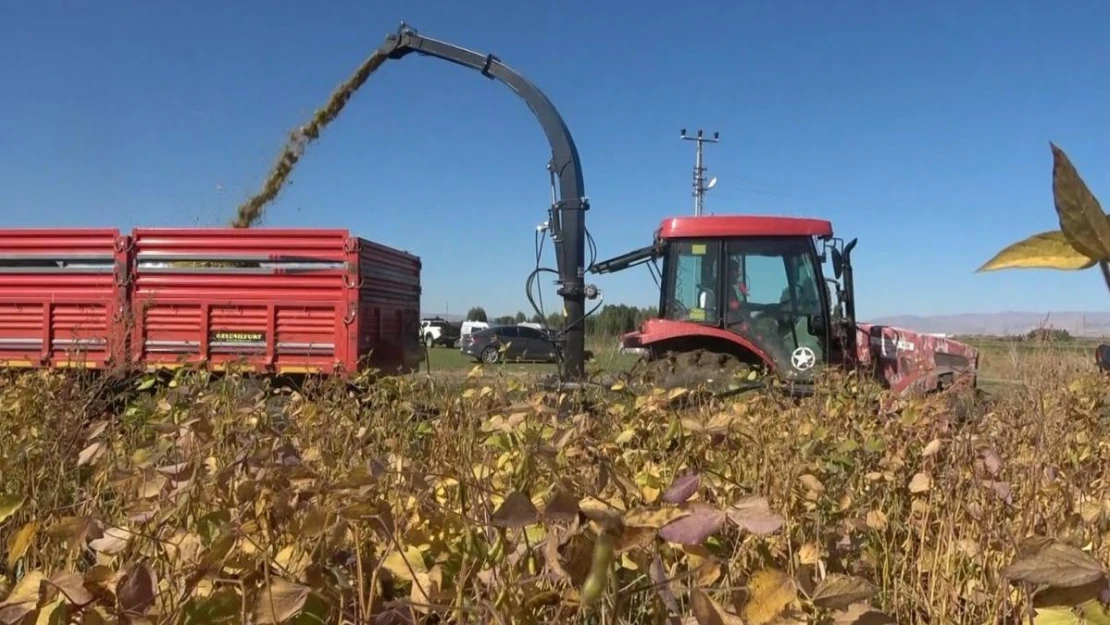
(767, 289)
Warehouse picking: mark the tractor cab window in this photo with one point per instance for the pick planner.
(693, 274)
(772, 287)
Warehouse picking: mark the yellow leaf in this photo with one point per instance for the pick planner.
(1081, 218)
(280, 601)
(625, 436)
(20, 542)
(90, 454)
(405, 566)
(23, 598)
(876, 520)
(654, 518)
(9, 505)
(932, 448)
(772, 592)
(812, 483)
(1047, 250)
(921, 483)
(53, 613)
(809, 553)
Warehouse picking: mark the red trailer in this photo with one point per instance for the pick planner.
(62, 297)
(271, 300)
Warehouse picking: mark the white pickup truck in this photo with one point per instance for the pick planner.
(439, 332)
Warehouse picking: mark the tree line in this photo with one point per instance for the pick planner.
(610, 320)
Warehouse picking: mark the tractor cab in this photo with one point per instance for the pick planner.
(751, 287)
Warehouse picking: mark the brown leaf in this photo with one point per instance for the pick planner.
(754, 514)
(708, 612)
(1072, 596)
(838, 591)
(90, 454)
(561, 507)
(662, 585)
(280, 601)
(113, 541)
(682, 488)
(74, 530)
(861, 614)
(551, 556)
(72, 585)
(632, 537)
(23, 599)
(703, 521)
(1081, 218)
(516, 511)
(1058, 565)
(992, 461)
(137, 589)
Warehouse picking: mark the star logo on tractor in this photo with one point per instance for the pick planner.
(803, 358)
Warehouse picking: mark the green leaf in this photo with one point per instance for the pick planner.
(9, 505)
(1047, 250)
(1081, 218)
(222, 606)
(1057, 616)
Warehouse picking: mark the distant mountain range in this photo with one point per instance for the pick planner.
(1002, 323)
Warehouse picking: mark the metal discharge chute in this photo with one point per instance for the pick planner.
(567, 219)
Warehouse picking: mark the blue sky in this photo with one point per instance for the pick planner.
(921, 128)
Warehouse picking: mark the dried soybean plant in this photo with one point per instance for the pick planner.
(250, 212)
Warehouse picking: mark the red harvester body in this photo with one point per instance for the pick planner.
(270, 300)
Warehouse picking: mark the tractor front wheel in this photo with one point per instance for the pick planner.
(711, 370)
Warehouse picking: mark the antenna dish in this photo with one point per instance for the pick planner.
(712, 183)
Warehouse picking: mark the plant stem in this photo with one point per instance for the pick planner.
(1105, 267)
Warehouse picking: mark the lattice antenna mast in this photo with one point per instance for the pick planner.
(700, 185)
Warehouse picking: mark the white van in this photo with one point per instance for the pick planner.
(469, 327)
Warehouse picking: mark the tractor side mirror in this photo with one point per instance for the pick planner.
(837, 263)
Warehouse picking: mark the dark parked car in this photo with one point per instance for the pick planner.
(524, 345)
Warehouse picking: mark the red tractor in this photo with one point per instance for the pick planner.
(743, 293)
